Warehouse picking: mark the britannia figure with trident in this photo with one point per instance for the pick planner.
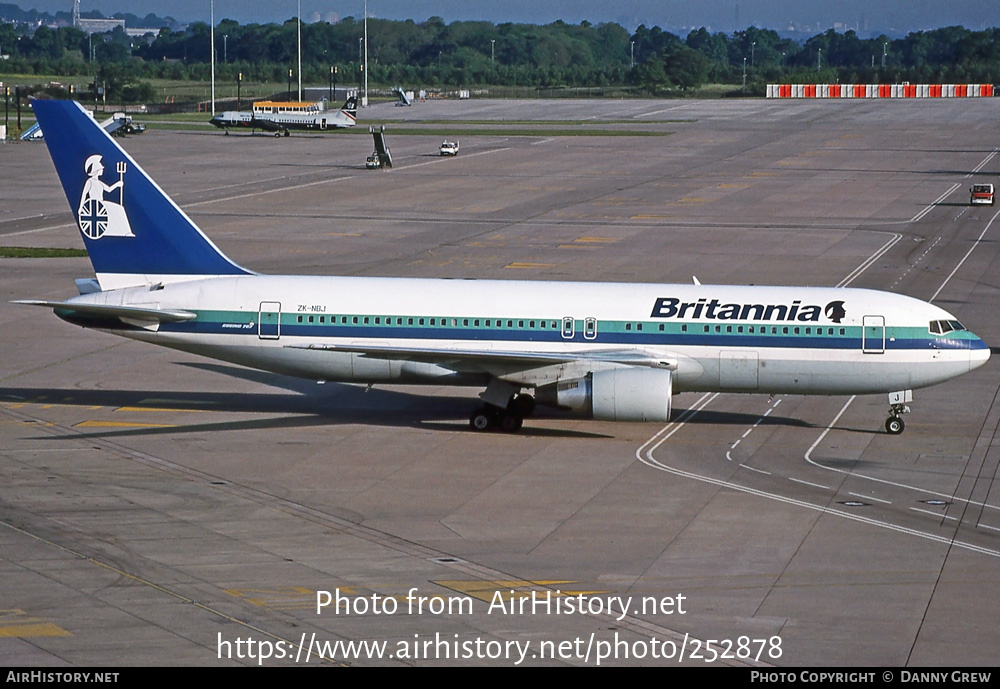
(98, 216)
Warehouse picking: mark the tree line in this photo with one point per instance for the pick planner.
(469, 53)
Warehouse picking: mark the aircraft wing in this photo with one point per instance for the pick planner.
(103, 311)
(479, 359)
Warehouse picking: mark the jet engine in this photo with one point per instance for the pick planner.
(618, 394)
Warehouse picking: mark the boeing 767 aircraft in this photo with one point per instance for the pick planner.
(611, 351)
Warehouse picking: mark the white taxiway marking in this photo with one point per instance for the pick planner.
(645, 451)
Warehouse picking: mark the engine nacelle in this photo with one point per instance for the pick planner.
(618, 394)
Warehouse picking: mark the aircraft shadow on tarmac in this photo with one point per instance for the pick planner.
(307, 404)
(304, 405)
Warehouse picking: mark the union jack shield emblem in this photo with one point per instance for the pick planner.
(93, 218)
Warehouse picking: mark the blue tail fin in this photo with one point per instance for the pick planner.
(135, 234)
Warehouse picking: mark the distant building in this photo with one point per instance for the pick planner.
(94, 25)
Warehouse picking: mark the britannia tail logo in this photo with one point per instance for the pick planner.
(100, 216)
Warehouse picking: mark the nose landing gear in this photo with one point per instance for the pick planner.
(897, 406)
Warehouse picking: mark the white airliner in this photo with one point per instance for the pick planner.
(612, 351)
(281, 122)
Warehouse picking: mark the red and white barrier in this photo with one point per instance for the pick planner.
(880, 90)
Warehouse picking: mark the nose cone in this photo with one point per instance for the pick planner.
(979, 354)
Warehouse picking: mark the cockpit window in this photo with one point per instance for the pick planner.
(944, 327)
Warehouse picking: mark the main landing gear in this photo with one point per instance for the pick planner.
(508, 420)
(897, 406)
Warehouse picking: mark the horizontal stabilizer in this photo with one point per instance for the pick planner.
(100, 311)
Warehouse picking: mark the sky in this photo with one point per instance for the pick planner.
(717, 15)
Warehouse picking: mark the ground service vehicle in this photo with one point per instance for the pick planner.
(981, 194)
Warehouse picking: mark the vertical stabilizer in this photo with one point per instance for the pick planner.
(134, 233)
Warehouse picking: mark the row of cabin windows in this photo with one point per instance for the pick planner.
(751, 329)
(785, 330)
(591, 324)
(437, 322)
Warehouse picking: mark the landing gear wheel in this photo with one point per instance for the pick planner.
(481, 419)
(510, 423)
(894, 425)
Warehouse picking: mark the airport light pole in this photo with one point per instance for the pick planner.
(631, 49)
(298, 24)
(366, 54)
(212, 51)
(744, 74)
(289, 84)
(225, 48)
(239, 84)
(493, 60)
(753, 45)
